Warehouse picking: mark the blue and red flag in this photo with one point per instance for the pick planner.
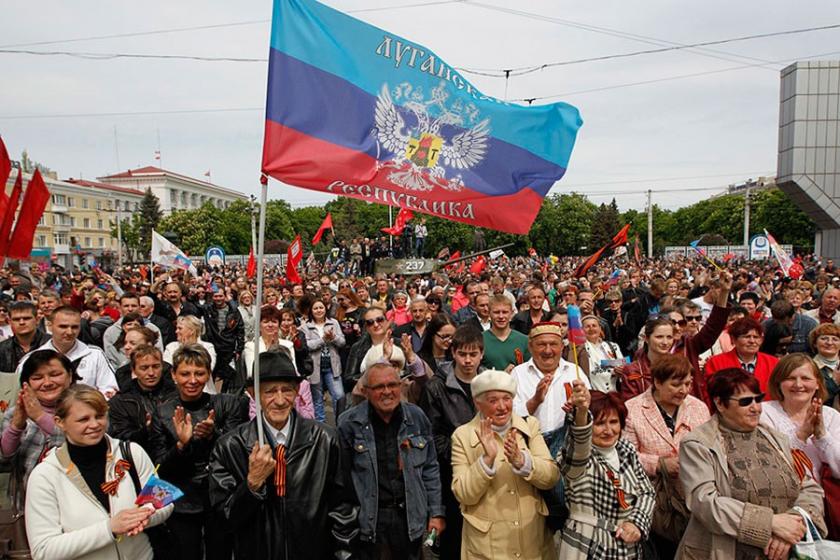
(354, 110)
(158, 492)
(576, 334)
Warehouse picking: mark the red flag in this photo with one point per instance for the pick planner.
(590, 262)
(399, 224)
(5, 165)
(620, 237)
(293, 256)
(478, 265)
(637, 253)
(327, 224)
(252, 264)
(31, 209)
(9, 214)
(5, 171)
(459, 300)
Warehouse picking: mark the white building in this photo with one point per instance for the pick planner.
(174, 191)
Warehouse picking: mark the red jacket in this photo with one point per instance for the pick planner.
(692, 347)
(763, 366)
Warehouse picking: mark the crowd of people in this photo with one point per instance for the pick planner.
(437, 416)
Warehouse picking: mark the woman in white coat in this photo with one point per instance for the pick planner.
(80, 499)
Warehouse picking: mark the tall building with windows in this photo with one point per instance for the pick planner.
(175, 191)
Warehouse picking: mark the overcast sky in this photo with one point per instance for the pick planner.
(667, 134)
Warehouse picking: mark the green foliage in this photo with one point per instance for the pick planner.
(605, 224)
(773, 210)
(149, 218)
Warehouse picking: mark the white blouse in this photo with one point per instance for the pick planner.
(823, 450)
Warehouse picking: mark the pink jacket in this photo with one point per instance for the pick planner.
(646, 430)
(303, 403)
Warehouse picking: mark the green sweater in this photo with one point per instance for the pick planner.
(499, 355)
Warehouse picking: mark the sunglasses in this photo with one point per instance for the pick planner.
(747, 401)
(371, 322)
(614, 301)
(696, 318)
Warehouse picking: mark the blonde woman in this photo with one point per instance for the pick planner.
(188, 329)
(79, 499)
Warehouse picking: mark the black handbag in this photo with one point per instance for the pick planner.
(163, 541)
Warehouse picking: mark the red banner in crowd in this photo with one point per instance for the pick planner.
(399, 224)
(293, 256)
(324, 226)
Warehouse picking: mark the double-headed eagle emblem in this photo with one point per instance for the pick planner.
(421, 151)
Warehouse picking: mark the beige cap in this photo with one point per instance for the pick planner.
(493, 380)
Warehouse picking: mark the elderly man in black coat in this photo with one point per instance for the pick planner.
(290, 498)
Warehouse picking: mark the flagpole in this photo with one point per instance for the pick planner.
(259, 249)
(390, 225)
(574, 355)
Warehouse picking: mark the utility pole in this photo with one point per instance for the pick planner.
(253, 223)
(119, 235)
(650, 225)
(747, 202)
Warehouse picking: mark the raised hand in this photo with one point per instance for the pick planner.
(205, 428)
(487, 437)
(513, 453)
(407, 348)
(387, 346)
(19, 415)
(261, 465)
(580, 400)
(183, 426)
(34, 410)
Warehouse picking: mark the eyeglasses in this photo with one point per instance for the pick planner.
(695, 318)
(377, 320)
(444, 337)
(679, 322)
(747, 401)
(392, 386)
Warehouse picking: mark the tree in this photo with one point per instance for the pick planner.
(563, 225)
(774, 211)
(130, 231)
(149, 218)
(605, 224)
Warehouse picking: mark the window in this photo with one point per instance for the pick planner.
(87, 241)
(109, 204)
(84, 203)
(60, 238)
(99, 205)
(55, 219)
(59, 199)
(41, 240)
(70, 201)
(101, 241)
(99, 224)
(86, 223)
(43, 220)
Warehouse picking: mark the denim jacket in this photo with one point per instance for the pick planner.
(421, 471)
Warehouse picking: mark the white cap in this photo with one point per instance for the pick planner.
(493, 380)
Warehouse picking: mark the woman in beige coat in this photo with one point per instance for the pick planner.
(741, 481)
(499, 464)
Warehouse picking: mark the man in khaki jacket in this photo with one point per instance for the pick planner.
(499, 463)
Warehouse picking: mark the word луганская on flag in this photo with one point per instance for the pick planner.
(356, 111)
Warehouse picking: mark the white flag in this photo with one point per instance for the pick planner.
(165, 253)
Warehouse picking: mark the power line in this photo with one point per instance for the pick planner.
(111, 56)
(721, 55)
(131, 113)
(523, 70)
(206, 27)
(530, 100)
(668, 179)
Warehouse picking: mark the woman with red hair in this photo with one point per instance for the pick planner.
(747, 334)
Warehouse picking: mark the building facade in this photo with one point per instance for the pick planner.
(79, 218)
(173, 190)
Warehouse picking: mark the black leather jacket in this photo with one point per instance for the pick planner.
(127, 410)
(447, 406)
(188, 468)
(11, 351)
(315, 520)
(227, 341)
